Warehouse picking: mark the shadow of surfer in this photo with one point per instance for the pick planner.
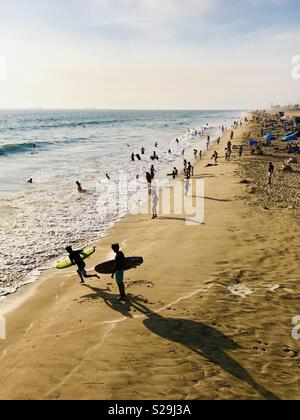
(203, 340)
(124, 308)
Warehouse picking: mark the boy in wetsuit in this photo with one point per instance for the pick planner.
(118, 271)
(76, 259)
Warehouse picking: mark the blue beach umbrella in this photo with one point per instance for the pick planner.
(252, 143)
(269, 137)
(292, 137)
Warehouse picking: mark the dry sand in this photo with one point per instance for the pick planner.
(209, 316)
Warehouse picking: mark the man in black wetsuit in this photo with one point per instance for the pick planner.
(118, 270)
(77, 260)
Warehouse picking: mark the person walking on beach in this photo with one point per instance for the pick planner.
(208, 142)
(152, 172)
(215, 156)
(142, 150)
(118, 271)
(271, 171)
(241, 150)
(200, 154)
(132, 157)
(231, 135)
(187, 185)
(190, 169)
(76, 259)
(154, 204)
(184, 165)
(195, 153)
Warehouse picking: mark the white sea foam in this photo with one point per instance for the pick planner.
(38, 221)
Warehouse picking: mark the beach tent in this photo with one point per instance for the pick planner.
(291, 137)
(269, 137)
(253, 143)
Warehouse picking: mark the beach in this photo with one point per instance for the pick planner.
(209, 314)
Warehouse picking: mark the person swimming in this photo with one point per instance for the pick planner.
(30, 181)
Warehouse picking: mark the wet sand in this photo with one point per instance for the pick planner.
(209, 314)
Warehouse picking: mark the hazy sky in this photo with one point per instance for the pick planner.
(148, 53)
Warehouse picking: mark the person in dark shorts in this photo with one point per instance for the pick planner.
(118, 271)
(77, 260)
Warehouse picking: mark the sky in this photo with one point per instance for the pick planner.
(148, 54)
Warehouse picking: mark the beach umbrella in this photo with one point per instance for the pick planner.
(252, 143)
(269, 137)
(292, 137)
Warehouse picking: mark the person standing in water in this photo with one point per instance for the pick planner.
(76, 259)
(79, 187)
(118, 271)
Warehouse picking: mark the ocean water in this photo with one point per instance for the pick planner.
(57, 148)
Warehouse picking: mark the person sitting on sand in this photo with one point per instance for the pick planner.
(79, 187)
(76, 259)
(118, 271)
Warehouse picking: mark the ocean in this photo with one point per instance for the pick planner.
(58, 148)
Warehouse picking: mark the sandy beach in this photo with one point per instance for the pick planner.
(209, 314)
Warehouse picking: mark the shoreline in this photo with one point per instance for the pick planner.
(186, 333)
(47, 270)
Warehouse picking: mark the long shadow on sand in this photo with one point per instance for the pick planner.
(204, 341)
(200, 338)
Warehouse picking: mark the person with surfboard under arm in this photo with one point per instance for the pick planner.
(76, 259)
(118, 271)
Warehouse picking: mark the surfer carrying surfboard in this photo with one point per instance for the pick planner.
(76, 259)
(118, 270)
